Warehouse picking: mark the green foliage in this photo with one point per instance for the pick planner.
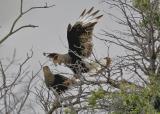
(154, 84)
(133, 101)
(153, 19)
(129, 99)
(144, 22)
(151, 14)
(69, 111)
(137, 102)
(142, 5)
(157, 18)
(96, 95)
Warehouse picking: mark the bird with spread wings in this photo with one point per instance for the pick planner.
(79, 38)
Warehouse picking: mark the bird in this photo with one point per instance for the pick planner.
(58, 82)
(80, 44)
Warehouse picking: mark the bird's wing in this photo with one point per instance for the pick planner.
(80, 34)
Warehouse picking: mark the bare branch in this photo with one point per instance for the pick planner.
(22, 13)
(4, 87)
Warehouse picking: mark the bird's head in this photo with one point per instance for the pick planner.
(54, 56)
(48, 76)
(46, 69)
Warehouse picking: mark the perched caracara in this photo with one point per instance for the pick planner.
(80, 43)
(56, 81)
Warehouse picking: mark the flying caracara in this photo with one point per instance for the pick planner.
(80, 43)
(56, 81)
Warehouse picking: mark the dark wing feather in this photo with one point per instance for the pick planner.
(80, 35)
(56, 81)
(58, 84)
